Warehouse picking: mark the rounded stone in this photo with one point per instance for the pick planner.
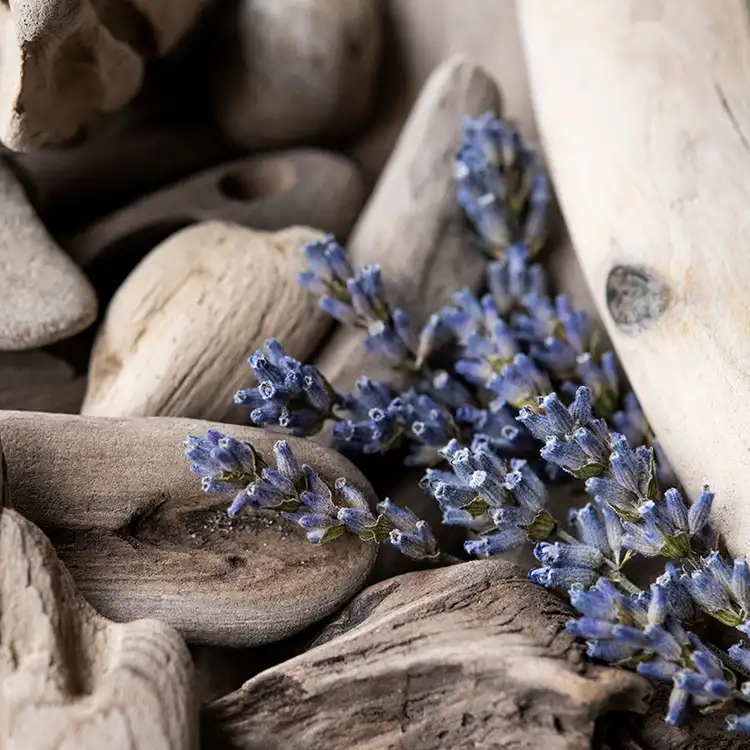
(44, 297)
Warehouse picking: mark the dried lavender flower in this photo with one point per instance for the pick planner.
(289, 394)
(501, 187)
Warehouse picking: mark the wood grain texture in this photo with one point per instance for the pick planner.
(651, 176)
(72, 680)
(44, 297)
(411, 224)
(176, 336)
(306, 187)
(463, 657)
(141, 539)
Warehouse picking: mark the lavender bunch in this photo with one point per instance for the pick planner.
(359, 299)
(232, 469)
(512, 351)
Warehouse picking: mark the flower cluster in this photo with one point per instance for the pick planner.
(233, 469)
(645, 630)
(506, 504)
(501, 186)
(382, 420)
(359, 299)
(473, 389)
(290, 394)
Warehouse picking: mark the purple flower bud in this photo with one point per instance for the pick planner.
(741, 583)
(338, 310)
(663, 642)
(357, 520)
(678, 702)
(401, 518)
(586, 627)
(658, 670)
(700, 510)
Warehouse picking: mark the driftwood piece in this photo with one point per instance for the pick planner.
(651, 176)
(412, 224)
(418, 43)
(295, 71)
(43, 295)
(469, 656)
(70, 186)
(306, 187)
(69, 678)
(64, 64)
(141, 540)
(176, 336)
(37, 381)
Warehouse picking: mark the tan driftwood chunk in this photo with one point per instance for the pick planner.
(412, 225)
(177, 335)
(141, 539)
(651, 174)
(43, 295)
(473, 655)
(72, 680)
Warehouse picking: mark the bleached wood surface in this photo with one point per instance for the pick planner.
(644, 109)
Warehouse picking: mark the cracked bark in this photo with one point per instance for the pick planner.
(468, 656)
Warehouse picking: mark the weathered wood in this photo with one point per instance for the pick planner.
(141, 539)
(304, 187)
(417, 44)
(418, 40)
(412, 224)
(651, 176)
(72, 680)
(43, 295)
(64, 64)
(118, 164)
(469, 656)
(177, 335)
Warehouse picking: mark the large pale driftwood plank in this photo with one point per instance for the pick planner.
(141, 539)
(464, 657)
(69, 678)
(645, 113)
(307, 187)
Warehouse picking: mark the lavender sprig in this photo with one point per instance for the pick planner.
(233, 469)
(501, 187)
(359, 299)
(644, 630)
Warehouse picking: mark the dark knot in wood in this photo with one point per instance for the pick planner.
(635, 297)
